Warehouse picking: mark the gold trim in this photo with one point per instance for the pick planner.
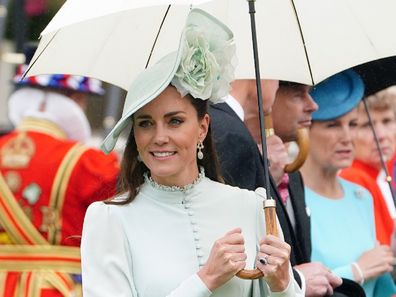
(35, 287)
(18, 151)
(17, 213)
(5, 239)
(3, 277)
(26, 266)
(29, 285)
(32, 258)
(41, 250)
(21, 286)
(269, 132)
(46, 284)
(63, 284)
(43, 126)
(59, 187)
(60, 281)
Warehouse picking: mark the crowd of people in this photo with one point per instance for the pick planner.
(180, 213)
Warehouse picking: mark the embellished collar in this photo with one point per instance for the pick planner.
(148, 179)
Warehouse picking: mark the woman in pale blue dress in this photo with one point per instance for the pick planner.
(342, 216)
(174, 230)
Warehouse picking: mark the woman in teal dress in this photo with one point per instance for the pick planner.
(342, 216)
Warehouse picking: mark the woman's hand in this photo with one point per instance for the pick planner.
(226, 258)
(376, 261)
(273, 261)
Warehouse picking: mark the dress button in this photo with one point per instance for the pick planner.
(196, 236)
(198, 246)
(200, 254)
(190, 213)
(193, 222)
(195, 229)
(201, 262)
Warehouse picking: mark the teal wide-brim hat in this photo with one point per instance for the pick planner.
(203, 66)
(337, 95)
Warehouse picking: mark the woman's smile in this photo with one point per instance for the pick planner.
(162, 155)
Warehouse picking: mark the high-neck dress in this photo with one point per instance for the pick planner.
(155, 245)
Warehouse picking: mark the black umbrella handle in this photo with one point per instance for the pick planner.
(270, 218)
(252, 12)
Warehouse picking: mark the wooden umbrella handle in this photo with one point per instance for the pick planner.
(302, 142)
(270, 217)
(271, 228)
(303, 149)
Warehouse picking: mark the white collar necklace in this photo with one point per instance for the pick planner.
(185, 188)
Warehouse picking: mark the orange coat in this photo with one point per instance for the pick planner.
(366, 176)
(29, 161)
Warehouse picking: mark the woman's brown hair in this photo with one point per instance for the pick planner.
(132, 170)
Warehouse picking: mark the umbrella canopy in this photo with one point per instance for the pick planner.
(303, 41)
(378, 75)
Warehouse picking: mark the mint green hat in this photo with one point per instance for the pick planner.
(203, 66)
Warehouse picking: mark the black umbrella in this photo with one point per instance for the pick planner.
(378, 75)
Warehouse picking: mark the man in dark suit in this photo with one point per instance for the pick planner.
(291, 111)
(242, 166)
(239, 155)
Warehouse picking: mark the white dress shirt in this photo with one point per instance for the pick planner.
(235, 106)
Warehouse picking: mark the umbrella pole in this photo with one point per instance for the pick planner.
(383, 165)
(269, 203)
(252, 11)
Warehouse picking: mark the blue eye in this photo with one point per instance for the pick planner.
(175, 121)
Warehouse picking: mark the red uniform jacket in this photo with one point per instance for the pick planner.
(29, 161)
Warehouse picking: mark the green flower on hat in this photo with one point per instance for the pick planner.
(202, 66)
(206, 68)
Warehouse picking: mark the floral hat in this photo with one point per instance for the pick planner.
(203, 66)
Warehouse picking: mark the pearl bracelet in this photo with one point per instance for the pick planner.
(360, 272)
